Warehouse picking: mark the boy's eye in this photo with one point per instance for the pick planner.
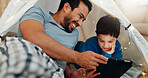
(110, 41)
(101, 41)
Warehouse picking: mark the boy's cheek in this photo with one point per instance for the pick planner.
(113, 44)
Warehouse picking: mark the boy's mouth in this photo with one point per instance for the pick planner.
(106, 49)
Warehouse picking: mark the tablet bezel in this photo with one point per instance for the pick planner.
(114, 68)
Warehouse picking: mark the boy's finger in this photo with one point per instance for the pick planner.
(91, 73)
(96, 74)
(87, 70)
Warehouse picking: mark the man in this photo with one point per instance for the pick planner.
(57, 35)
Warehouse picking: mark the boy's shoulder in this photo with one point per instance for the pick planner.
(118, 44)
(92, 39)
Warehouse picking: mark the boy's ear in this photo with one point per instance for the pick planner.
(119, 33)
(67, 7)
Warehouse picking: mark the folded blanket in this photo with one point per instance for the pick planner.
(20, 58)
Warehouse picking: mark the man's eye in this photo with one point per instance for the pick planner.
(84, 20)
(80, 16)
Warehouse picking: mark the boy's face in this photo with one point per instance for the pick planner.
(106, 42)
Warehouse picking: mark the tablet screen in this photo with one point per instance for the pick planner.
(114, 68)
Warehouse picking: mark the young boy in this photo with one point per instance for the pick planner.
(105, 43)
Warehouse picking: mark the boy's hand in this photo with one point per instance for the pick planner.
(112, 50)
(83, 73)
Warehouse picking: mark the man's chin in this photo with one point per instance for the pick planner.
(68, 31)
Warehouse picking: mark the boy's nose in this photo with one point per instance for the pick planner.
(106, 45)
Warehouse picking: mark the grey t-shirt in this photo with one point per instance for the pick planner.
(52, 29)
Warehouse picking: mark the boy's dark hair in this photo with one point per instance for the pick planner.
(108, 25)
(75, 4)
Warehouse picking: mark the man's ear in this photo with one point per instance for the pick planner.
(67, 7)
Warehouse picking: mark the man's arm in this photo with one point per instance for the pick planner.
(33, 31)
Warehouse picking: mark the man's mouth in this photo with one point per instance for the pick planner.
(74, 25)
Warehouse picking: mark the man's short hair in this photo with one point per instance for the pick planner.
(75, 4)
(108, 25)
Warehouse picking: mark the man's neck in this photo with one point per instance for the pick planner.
(58, 17)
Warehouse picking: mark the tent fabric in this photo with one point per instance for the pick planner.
(15, 9)
(132, 41)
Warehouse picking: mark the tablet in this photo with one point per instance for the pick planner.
(114, 68)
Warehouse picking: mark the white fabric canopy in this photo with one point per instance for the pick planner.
(14, 11)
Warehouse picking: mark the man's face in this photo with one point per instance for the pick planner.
(76, 17)
(106, 42)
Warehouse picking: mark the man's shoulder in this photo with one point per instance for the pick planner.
(36, 9)
(36, 13)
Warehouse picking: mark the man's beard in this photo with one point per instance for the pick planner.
(67, 20)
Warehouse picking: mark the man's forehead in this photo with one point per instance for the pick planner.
(82, 8)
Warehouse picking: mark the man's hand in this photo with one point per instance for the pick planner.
(82, 73)
(89, 59)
